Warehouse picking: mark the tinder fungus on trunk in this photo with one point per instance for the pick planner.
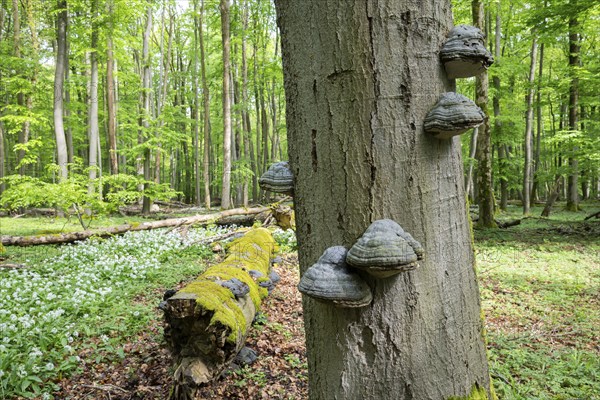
(384, 250)
(453, 115)
(278, 179)
(330, 280)
(464, 53)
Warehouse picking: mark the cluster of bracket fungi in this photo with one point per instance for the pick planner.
(463, 55)
(384, 250)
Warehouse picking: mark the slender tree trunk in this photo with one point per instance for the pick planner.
(110, 93)
(502, 161)
(357, 157)
(206, 102)
(538, 138)
(528, 131)
(196, 90)
(574, 62)
(469, 178)
(2, 156)
(485, 188)
(93, 133)
(226, 184)
(146, 106)
(246, 124)
(59, 79)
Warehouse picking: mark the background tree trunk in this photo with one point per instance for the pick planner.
(110, 94)
(359, 79)
(206, 102)
(528, 132)
(146, 107)
(483, 153)
(93, 133)
(226, 186)
(59, 80)
(574, 49)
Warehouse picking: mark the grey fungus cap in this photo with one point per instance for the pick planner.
(464, 53)
(452, 115)
(330, 280)
(278, 179)
(385, 249)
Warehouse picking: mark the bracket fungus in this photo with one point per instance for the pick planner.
(330, 280)
(452, 115)
(464, 53)
(278, 179)
(385, 249)
(237, 287)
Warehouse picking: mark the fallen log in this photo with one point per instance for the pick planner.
(596, 215)
(121, 229)
(207, 321)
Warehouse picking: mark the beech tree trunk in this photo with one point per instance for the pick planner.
(528, 133)
(359, 79)
(206, 102)
(502, 161)
(59, 80)
(226, 184)
(483, 153)
(110, 94)
(574, 49)
(146, 111)
(93, 133)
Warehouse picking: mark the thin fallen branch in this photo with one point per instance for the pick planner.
(596, 215)
(121, 229)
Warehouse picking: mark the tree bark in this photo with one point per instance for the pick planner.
(59, 80)
(121, 229)
(93, 133)
(146, 107)
(483, 154)
(469, 178)
(538, 137)
(110, 93)
(206, 102)
(359, 79)
(574, 49)
(502, 162)
(528, 132)
(226, 184)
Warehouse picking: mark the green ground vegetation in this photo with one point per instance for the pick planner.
(540, 288)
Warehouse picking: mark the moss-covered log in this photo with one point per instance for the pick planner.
(206, 323)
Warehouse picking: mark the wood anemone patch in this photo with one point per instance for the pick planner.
(206, 323)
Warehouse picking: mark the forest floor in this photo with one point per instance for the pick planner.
(144, 372)
(540, 290)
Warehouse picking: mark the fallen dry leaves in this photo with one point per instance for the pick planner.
(145, 374)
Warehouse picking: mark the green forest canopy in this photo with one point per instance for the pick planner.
(179, 132)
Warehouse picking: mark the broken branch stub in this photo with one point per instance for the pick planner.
(464, 53)
(452, 115)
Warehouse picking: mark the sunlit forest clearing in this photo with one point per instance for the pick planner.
(160, 118)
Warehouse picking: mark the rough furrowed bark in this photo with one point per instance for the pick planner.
(206, 324)
(121, 229)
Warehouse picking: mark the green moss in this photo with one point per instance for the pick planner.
(252, 251)
(214, 297)
(477, 393)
